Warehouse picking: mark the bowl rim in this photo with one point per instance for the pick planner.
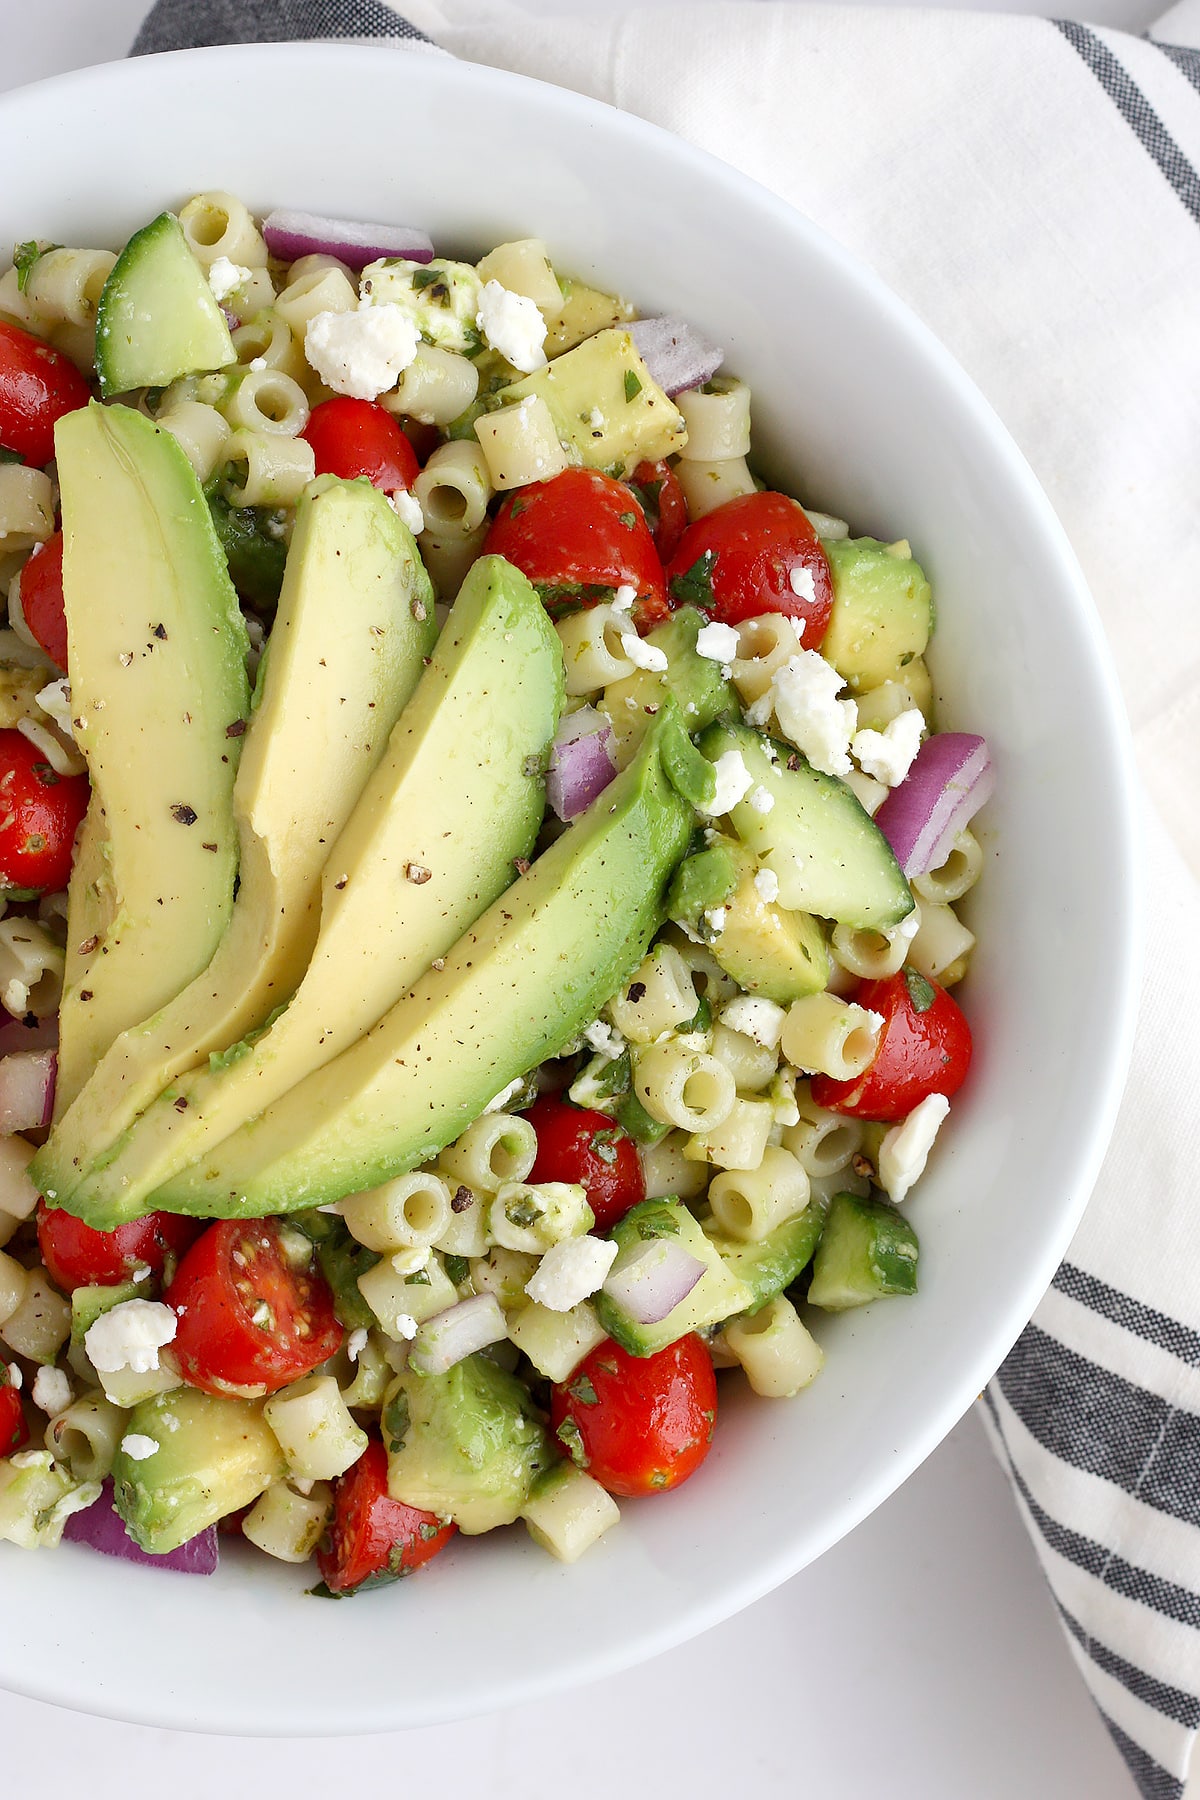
(82, 1690)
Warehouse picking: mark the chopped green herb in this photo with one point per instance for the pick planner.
(604, 1145)
(633, 386)
(394, 1420)
(457, 1268)
(10, 456)
(423, 278)
(583, 1391)
(427, 1531)
(920, 991)
(24, 257)
(524, 1211)
(694, 586)
(628, 519)
(571, 1439)
(418, 1278)
(517, 507)
(657, 1225)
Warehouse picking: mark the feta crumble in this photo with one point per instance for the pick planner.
(407, 508)
(406, 1325)
(361, 353)
(139, 1447)
(512, 324)
(641, 654)
(570, 1271)
(604, 1038)
(257, 364)
(716, 642)
(766, 885)
(905, 1148)
(15, 1378)
(130, 1336)
(734, 781)
(624, 597)
(51, 1391)
(356, 1343)
(820, 725)
(756, 1018)
(225, 277)
(762, 800)
(800, 580)
(888, 755)
(714, 918)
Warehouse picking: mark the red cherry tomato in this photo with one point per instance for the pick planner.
(39, 816)
(374, 1539)
(661, 498)
(756, 554)
(79, 1256)
(249, 1317)
(578, 538)
(638, 1424)
(37, 386)
(356, 437)
(924, 1048)
(576, 1145)
(41, 591)
(13, 1430)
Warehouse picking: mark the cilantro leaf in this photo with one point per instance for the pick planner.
(694, 586)
(920, 991)
(633, 386)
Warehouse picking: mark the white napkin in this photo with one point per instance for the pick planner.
(1032, 190)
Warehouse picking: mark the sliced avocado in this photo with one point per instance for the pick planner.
(466, 1445)
(826, 853)
(157, 318)
(607, 408)
(215, 1455)
(585, 310)
(867, 1249)
(433, 839)
(532, 972)
(158, 677)
(882, 611)
(719, 1293)
(91, 904)
(356, 620)
(766, 949)
(696, 682)
(772, 1264)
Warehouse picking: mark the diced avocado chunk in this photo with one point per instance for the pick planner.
(719, 1293)
(215, 1455)
(882, 611)
(37, 1497)
(867, 1249)
(827, 854)
(90, 1303)
(440, 297)
(766, 949)
(608, 410)
(585, 310)
(774, 1262)
(696, 682)
(466, 1445)
(157, 318)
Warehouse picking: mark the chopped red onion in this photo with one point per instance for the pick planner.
(581, 761)
(101, 1527)
(676, 354)
(27, 1090)
(652, 1282)
(292, 234)
(950, 779)
(15, 1034)
(457, 1333)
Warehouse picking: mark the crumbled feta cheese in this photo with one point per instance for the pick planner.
(138, 1446)
(888, 755)
(505, 1095)
(225, 276)
(129, 1336)
(15, 1378)
(361, 353)
(734, 781)
(406, 1325)
(51, 1390)
(412, 1260)
(766, 885)
(596, 419)
(714, 918)
(408, 510)
(258, 364)
(755, 1018)
(570, 1271)
(820, 725)
(604, 1038)
(512, 324)
(759, 711)
(356, 1343)
(800, 580)
(762, 799)
(905, 1148)
(641, 654)
(624, 597)
(717, 642)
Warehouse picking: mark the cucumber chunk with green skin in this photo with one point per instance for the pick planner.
(882, 612)
(763, 947)
(157, 318)
(826, 853)
(214, 1456)
(774, 1262)
(696, 682)
(719, 1293)
(867, 1250)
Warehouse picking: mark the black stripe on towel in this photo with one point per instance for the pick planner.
(186, 24)
(1171, 1702)
(1124, 1578)
(1186, 60)
(1103, 1424)
(1137, 112)
(1153, 1781)
(1143, 1321)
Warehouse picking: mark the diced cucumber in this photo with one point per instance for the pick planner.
(717, 1295)
(157, 318)
(773, 1263)
(867, 1249)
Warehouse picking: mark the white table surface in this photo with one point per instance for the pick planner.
(919, 1660)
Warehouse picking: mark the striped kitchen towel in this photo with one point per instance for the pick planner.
(1032, 189)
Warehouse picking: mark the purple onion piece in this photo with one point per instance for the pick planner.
(581, 762)
(652, 1282)
(950, 779)
(677, 355)
(15, 1034)
(101, 1527)
(27, 1090)
(291, 234)
(456, 1334)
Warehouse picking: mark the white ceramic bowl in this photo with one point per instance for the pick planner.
(859, 411)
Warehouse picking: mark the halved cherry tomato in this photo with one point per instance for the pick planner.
(37, 386)
(924, 1048)
(41, 592)
(357, 437)
(39, 816)
(79, 1256)
(250, 1318)
(372, 1538)
(661, 498)
(756, 554)
(13, 1430)
(638, 1424)
(574, 1144)
(579, 537)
